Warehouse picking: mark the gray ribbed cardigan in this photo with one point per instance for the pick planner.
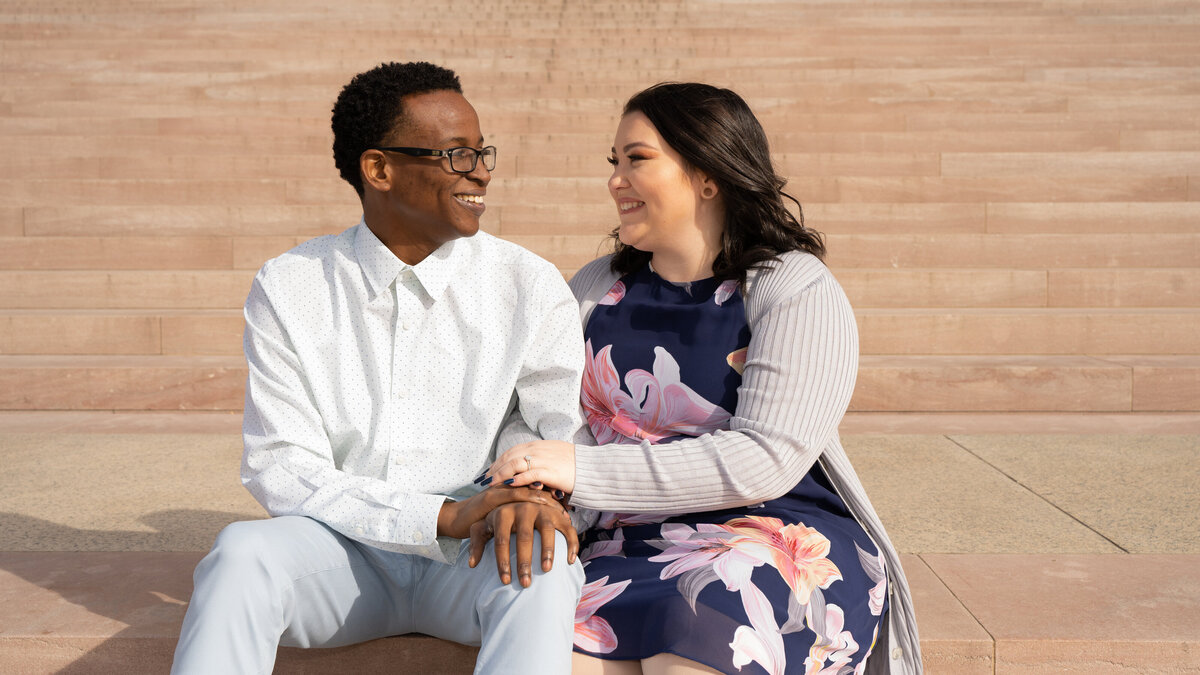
(799, 374)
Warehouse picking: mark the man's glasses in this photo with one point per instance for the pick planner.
(462, 159)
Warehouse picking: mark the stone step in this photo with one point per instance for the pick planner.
(903, 331)
(596, 215)
(120, 612)
(893, 383)
(898, 250)
(866, 288)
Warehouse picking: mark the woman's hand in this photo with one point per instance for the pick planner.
(551, 463)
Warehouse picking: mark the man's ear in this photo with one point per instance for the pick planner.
(375, 170)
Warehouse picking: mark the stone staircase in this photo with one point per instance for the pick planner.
(1010, 190)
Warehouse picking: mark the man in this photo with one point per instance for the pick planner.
(382, 364)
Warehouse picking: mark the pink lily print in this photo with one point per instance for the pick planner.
(725, 291)
(593, 633)
(660, 406)
(608, 408)
(605, 547)
(614, 294)
(704, 555)
(737, 360)
(797, 551)
(701, 556)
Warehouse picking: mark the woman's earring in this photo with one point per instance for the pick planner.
(708, 193)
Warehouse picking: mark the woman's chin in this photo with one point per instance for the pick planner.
(630, 235)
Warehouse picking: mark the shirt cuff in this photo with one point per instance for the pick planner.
(417, 525)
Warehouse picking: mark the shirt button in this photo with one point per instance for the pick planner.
(359, 529)
(397, 461)
(897, 653)
(401, 392)
(417, 536)
(405, 326)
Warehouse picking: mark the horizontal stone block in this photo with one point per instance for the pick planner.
(1033, 332)
(121, 383)
(894, 219)
(1093, 218)
(1160, 140)
(249, 253)
(142, 191)
(1024, 251)
(1176, 287)
(12, 221)
(982, 384)
(1180, 163)
(49, 333)
(1143, 627)
(115, 253)
(191, 220)
(214, 332)
(943, 288)
(147, 289)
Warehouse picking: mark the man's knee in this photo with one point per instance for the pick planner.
(563, 576)
(243, 552)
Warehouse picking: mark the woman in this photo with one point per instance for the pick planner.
(733, 535)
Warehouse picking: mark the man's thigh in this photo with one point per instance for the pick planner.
(331, 594)
(454, 601)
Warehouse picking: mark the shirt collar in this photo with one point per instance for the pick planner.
(381, 266)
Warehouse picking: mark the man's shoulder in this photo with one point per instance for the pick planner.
(507, 257)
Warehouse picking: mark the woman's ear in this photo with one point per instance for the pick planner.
(708, 187)
(375, 170)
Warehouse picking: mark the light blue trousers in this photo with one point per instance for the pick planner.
(296, 582)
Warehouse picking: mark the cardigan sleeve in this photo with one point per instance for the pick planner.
(799, 375)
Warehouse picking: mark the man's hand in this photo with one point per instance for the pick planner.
(455, 518)
(522, 519)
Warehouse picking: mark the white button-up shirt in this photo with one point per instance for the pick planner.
(376, 389)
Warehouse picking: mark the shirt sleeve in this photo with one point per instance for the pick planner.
(548, 384)
(288, 464)
(800, 370)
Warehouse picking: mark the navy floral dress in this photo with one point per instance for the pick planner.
(793, 585)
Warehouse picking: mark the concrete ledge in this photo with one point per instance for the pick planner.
(119, 612)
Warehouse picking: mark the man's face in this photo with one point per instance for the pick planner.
(431, 203)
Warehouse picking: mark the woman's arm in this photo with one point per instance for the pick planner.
(799, 375)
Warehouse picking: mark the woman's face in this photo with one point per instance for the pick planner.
(656, 195)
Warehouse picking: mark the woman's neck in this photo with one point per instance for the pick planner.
(684, 266)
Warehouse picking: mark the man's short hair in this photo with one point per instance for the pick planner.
(371, 107)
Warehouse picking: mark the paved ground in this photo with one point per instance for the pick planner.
(956, 493)
(1028, 553)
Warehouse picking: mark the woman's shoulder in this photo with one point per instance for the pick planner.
(778, 281)
(593, 275)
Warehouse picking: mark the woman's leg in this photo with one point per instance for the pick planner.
(670, 664)
(582, 664)
(659, 664)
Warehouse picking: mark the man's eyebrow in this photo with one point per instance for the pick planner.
(461, 141)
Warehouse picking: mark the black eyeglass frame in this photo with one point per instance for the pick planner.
(448, 154)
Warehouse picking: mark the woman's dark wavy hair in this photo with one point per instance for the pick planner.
(715, 132)
(371, 107)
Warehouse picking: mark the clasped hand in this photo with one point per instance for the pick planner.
(502, 512)
(551, 463)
